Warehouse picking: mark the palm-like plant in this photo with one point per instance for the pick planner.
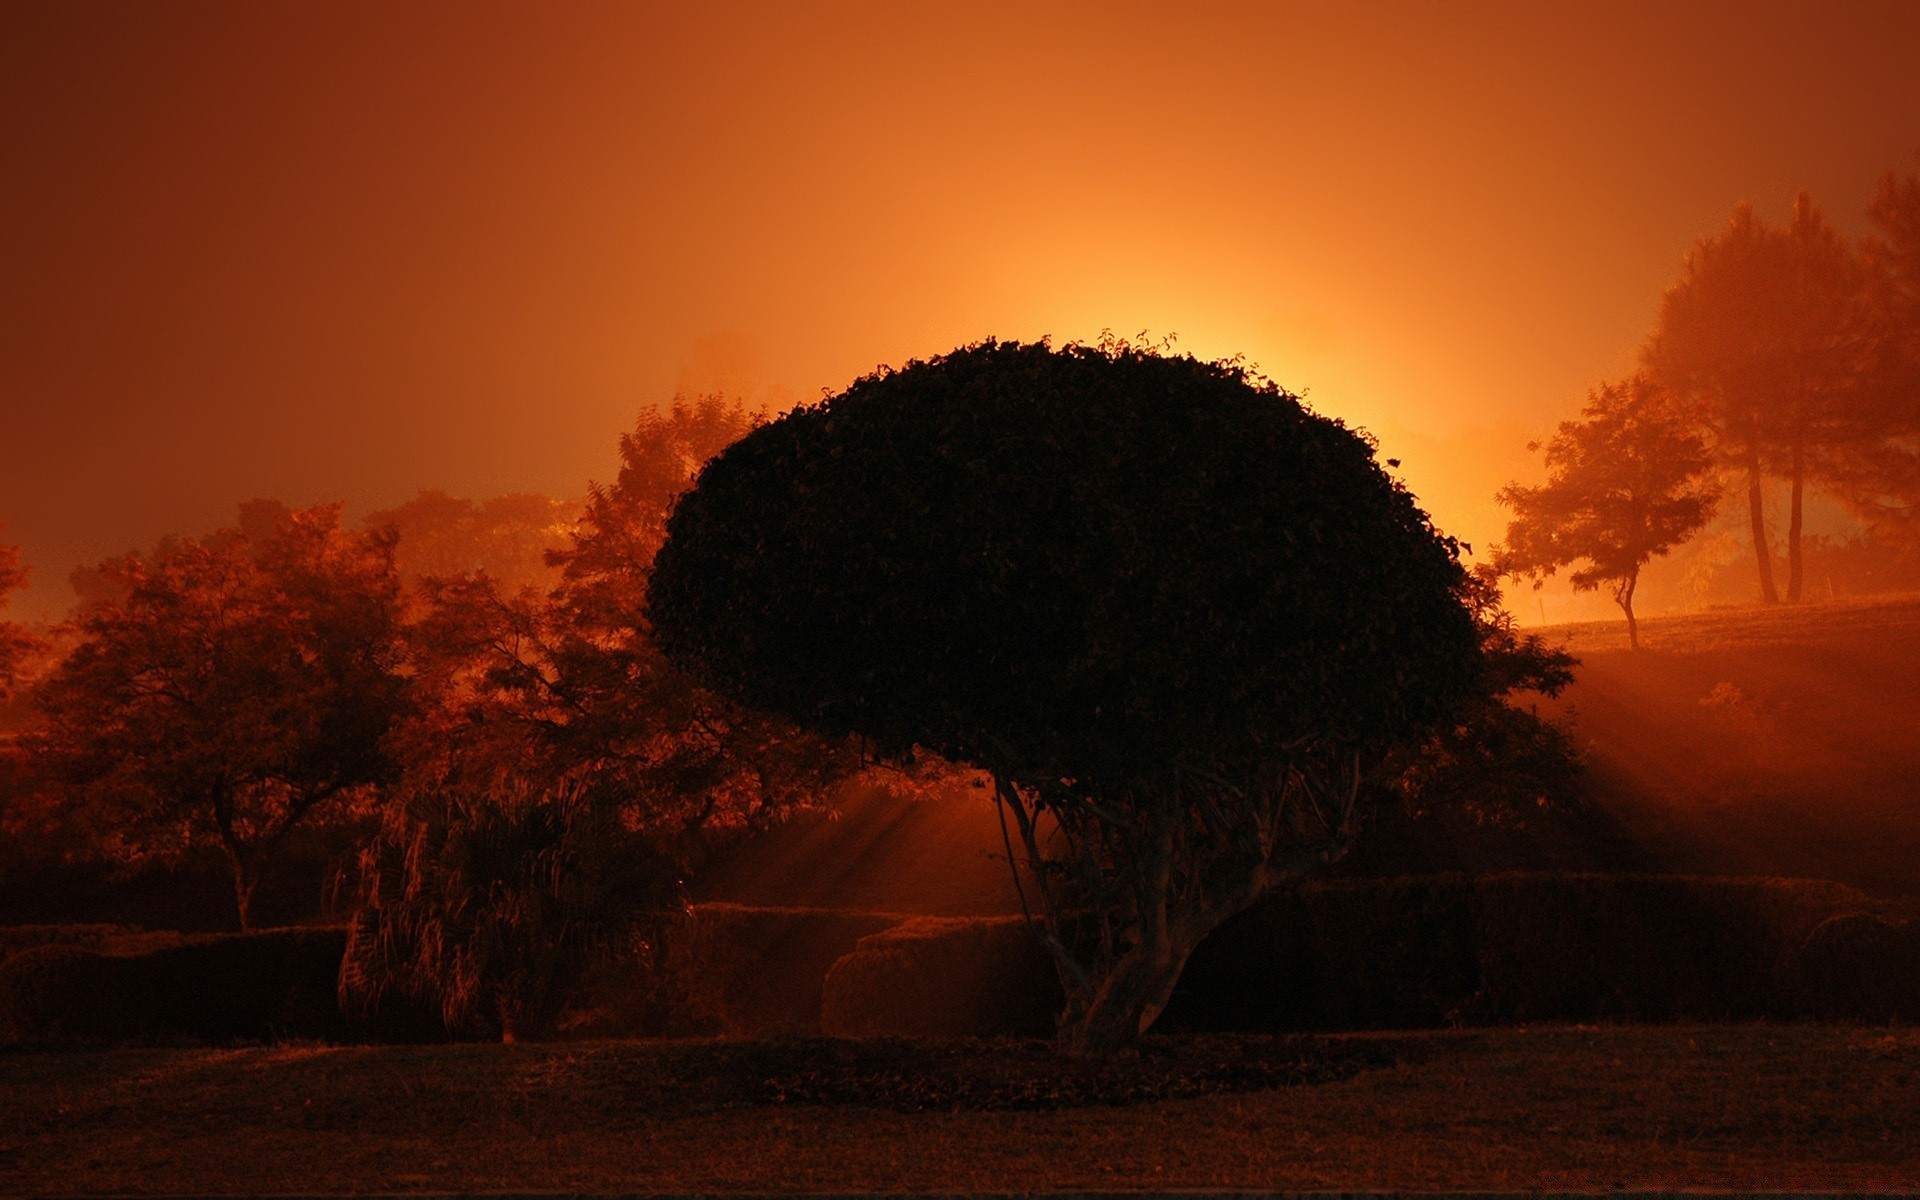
(495, 904)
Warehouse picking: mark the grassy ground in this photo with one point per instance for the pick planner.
(1764, 741)
(1720, 1107)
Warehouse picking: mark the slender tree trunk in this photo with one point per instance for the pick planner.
(1623, 596)
(1793, 525)
(246, 879)
(1757, 511)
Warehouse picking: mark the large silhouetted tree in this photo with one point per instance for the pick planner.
(1626, 483)
(236, 687)
(1177, 616)
(1766, 335)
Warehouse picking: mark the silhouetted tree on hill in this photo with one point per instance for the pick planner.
(1766, 335)
(1626, 483)
(238, 686)
(1179, 618)
(1879, 476)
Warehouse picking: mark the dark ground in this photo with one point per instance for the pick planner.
(1745, 1107)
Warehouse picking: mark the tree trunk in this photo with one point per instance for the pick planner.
(1128, 1002)
(246, 879)
(1623, 596)
(1793, 525)
(1756, 510)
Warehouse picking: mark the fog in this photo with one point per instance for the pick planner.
(351, 251)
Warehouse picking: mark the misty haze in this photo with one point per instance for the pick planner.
(626, 599)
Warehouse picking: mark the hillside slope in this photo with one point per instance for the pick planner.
(1782, 741)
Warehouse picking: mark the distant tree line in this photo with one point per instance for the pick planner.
(1783, 355)
(469, 692)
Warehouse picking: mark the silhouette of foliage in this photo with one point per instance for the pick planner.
(506, 538)
(1625, 484)
(1497, 762)
(1178, 617)
(561, 774)
(494, 907)
(240, 685)
(1879, 478)
(15, 643)
(573, 681)
(1768, 338)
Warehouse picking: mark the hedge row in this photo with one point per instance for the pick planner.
(273, 984)
(730, 970)
(1353, 954)
(1425, 953)
(943, 977)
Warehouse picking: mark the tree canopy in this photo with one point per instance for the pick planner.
(1767, 336)
(1626, 483)
(1171, 610)
(236, 686)
(15, 643)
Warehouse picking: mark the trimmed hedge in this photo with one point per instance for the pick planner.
(943, 977)
(1330, 955)
(1426, 953)
(1861, 966)
(1422, 953)
(219, 988)
(728, 969)
(17, 938)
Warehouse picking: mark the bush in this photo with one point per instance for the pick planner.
(729, 969)
(943, 977)
(238, 987)
(17, 938)
(1860, 966)
(1508, 948)
(1431, 952)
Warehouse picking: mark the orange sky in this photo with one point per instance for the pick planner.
(323, 250)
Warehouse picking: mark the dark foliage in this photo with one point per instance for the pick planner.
(1065, 563)
(1175, 614)
(221, 988)
(1000, 1075)
(230, 690)
(492, 908)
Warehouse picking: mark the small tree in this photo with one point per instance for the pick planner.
(237, 687)
(560, 773)
(1625, 484)
(1175, 615)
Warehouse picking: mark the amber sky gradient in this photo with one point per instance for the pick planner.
(323, 250)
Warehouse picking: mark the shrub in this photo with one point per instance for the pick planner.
(943, 977)
(219, 988)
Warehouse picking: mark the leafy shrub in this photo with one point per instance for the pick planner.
(943, 977)
(495, 907)
(219, 988)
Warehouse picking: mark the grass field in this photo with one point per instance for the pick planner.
(1679, 1107)
(1763, 741)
